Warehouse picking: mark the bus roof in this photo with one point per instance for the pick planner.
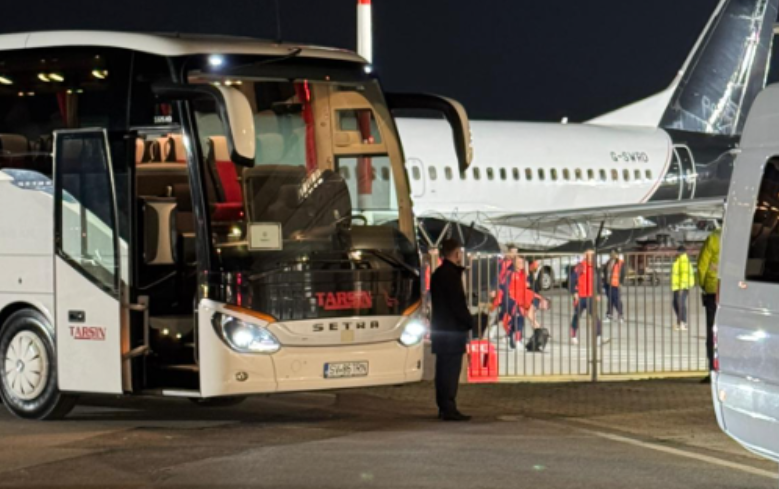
(169, 44)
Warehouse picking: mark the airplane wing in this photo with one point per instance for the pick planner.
(617, 217)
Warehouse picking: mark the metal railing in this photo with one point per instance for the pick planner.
(646, 341)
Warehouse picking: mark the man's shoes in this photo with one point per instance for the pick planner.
(683, 326)
(455, 416)
(707, 380)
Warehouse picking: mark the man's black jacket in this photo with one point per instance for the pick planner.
(451, 319)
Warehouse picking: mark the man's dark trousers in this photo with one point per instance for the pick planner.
(710, 303)
(447, 380)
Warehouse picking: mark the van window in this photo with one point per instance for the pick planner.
(763, 254)
(448, 173)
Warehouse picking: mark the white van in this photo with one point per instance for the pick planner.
(745, 385)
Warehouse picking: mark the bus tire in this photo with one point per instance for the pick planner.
(217, 402)
(26, 392)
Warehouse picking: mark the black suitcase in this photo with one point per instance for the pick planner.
(537, 342)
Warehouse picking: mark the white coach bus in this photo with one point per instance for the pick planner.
(180, 218)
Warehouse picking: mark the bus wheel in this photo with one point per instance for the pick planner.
(217, 402)
(28, 369)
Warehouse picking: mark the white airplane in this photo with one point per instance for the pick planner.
(676, 146)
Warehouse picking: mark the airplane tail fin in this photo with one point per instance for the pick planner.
(721, 78)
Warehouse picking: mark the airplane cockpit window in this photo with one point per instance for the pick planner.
(415, 173)
(578, 174)
(477, 174)
(626, 175)
(502, 173)
(448, 173)
(515, 171)
(490, 174)
(566, 174)
(433, 173)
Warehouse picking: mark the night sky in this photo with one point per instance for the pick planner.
(516, 60)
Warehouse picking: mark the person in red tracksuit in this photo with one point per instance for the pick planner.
(585, 293)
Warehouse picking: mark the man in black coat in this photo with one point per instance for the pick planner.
(451, 325)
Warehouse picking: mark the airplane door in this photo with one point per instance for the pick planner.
(416, 175)
(88, 311)
(688, 175)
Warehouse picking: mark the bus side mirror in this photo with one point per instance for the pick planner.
(234, 109)
(452, 110)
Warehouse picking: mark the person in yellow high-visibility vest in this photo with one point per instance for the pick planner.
(682, 280)
(708, 277)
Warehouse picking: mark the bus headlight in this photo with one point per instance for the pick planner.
(413, 333)
(245, 337)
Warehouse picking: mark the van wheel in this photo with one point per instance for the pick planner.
(546, 278)
(217, 402)
(28, 369)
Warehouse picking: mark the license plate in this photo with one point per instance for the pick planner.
(345, 370)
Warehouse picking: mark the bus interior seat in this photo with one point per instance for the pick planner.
(230, 206)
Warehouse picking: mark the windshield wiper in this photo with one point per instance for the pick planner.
(391, 260)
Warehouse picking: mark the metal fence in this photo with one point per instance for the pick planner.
(646, 341)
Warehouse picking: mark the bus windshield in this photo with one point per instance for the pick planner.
(321, 225)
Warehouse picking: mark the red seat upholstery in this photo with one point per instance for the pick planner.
(231, 207)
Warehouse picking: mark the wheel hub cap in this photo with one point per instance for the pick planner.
(25, 369)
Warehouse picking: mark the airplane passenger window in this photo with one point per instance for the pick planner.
(344, 171)
(477, 174)
(515, 171)
(637, 174)
(490, 174)
(590, 175)
(763, 255)
(415, 173)
(603, 176)
(385, 173)
(528, 174)
(567, 174)
(626, 175)
(615, 175)
(448, 173)
(433, 173)
(649, 174)
(502, 173)
(553, 174)
(578, 174)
